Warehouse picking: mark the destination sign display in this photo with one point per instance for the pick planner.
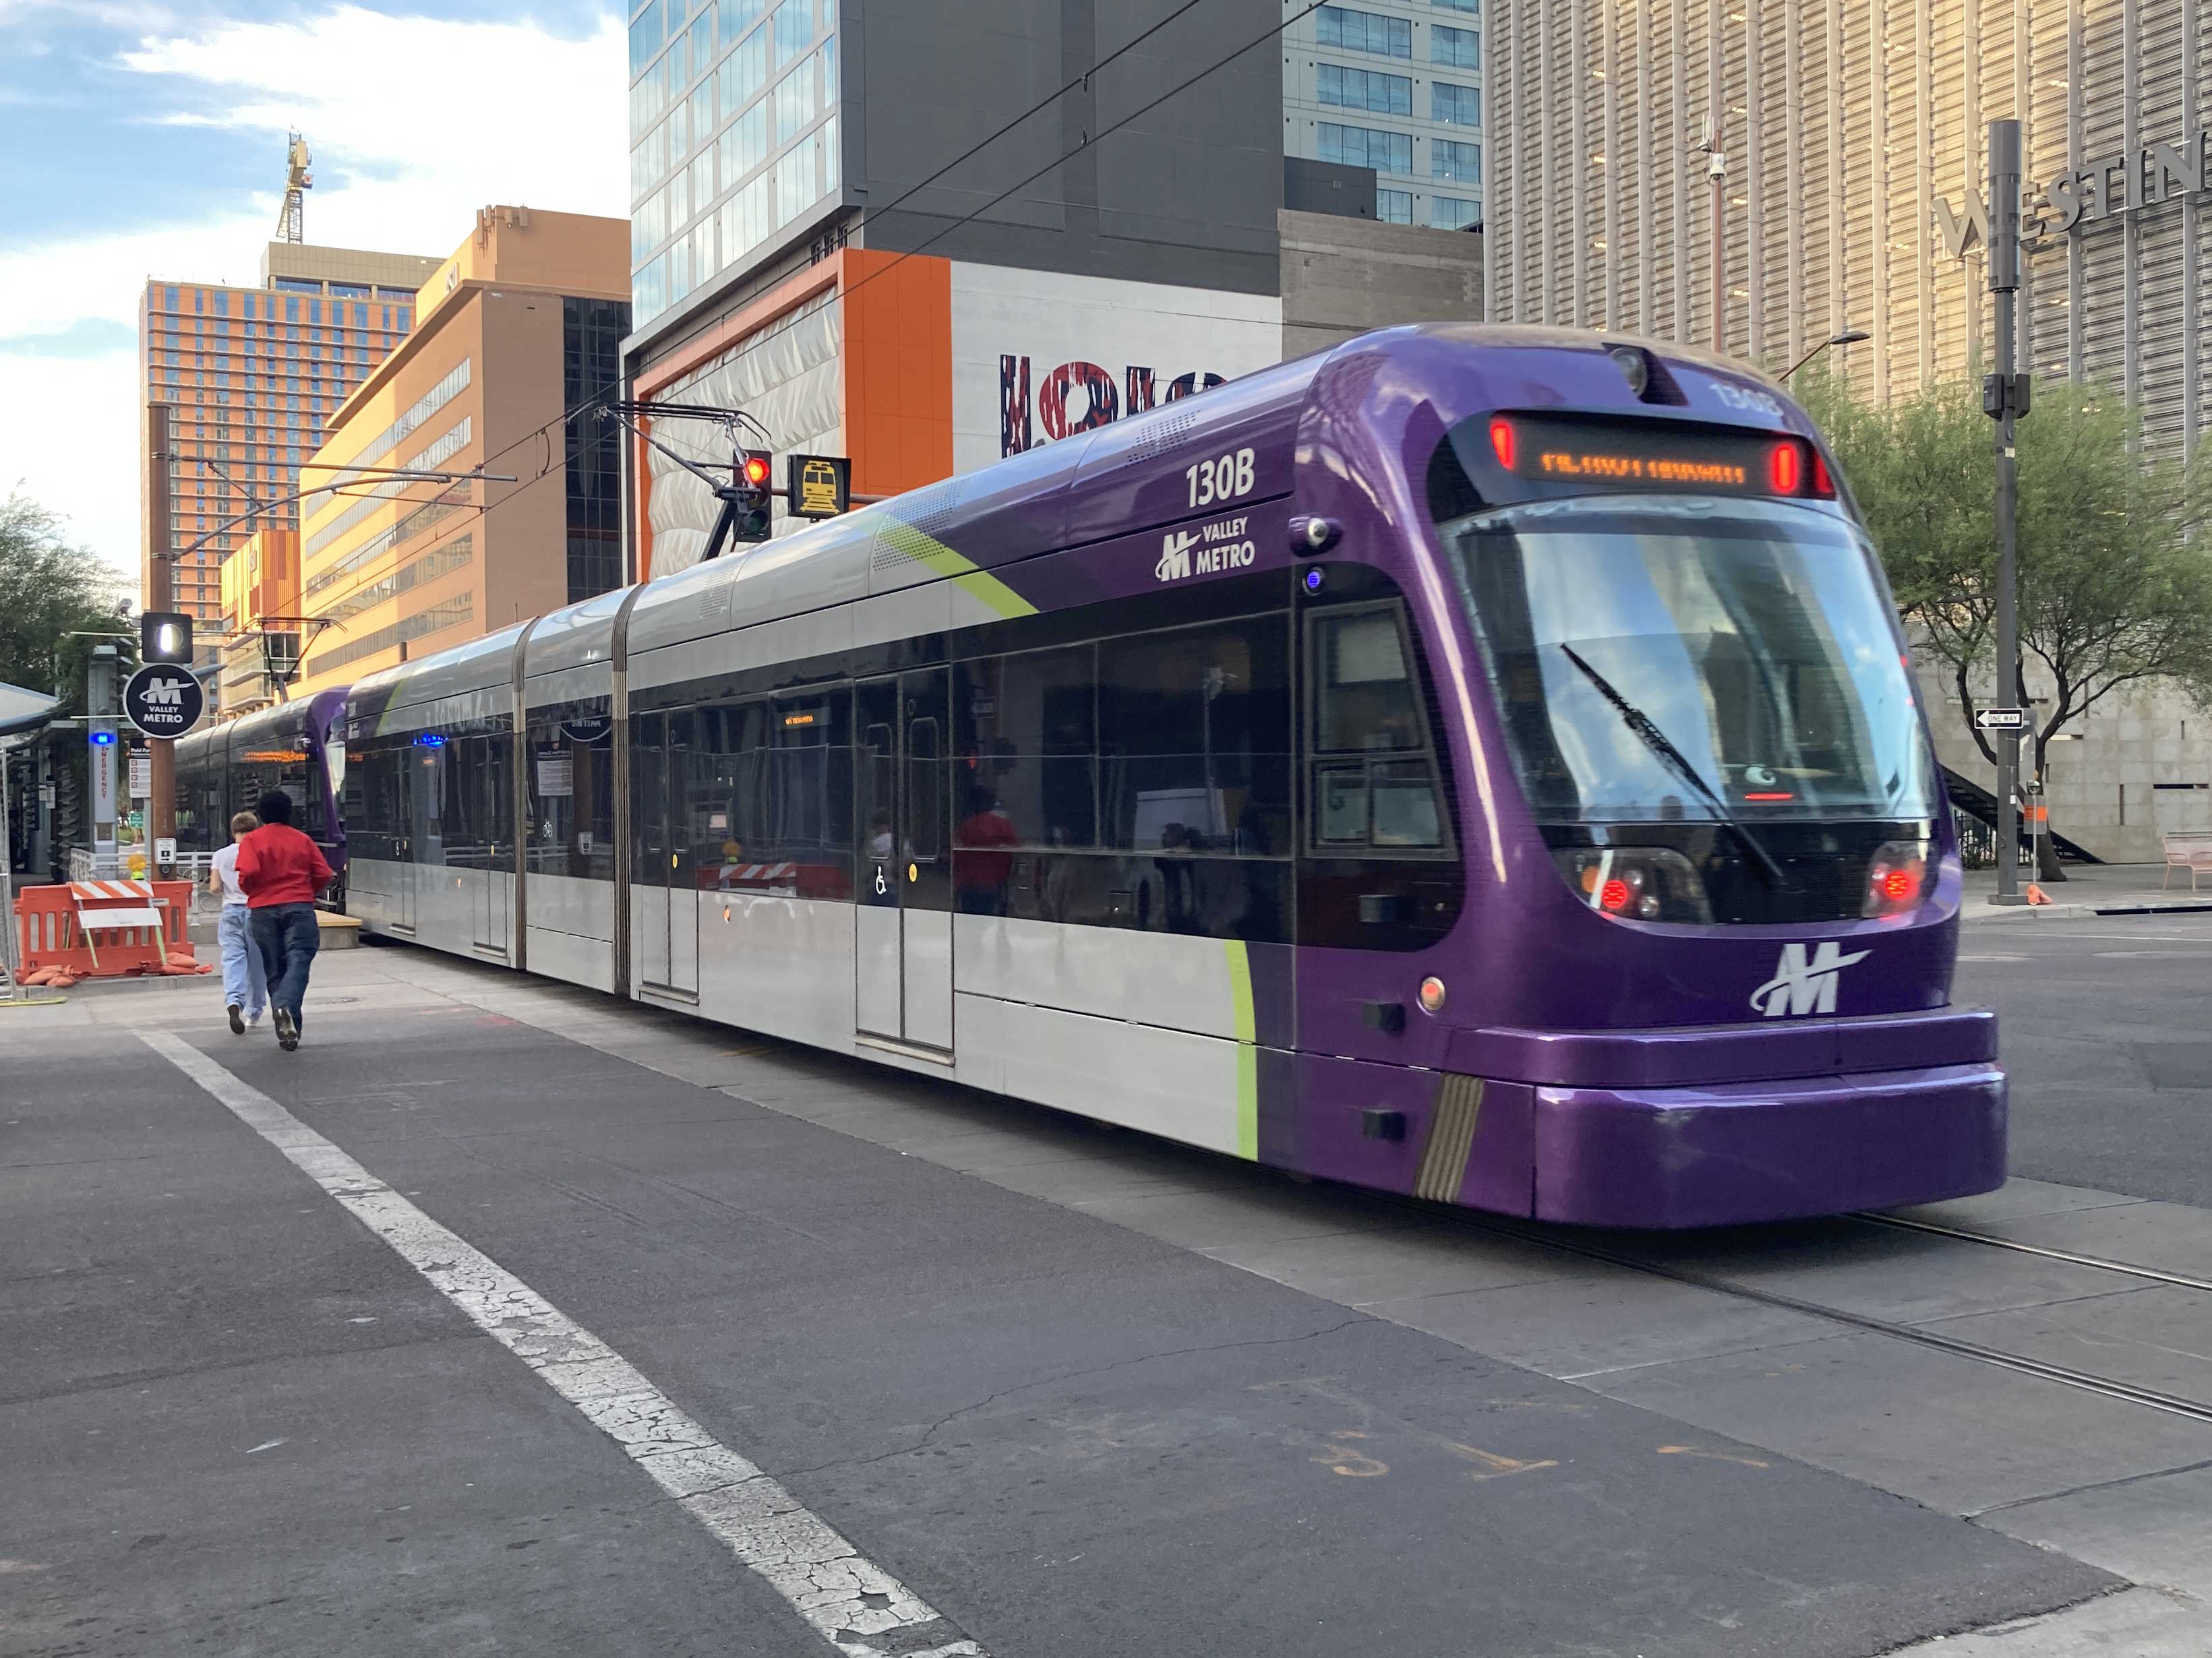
(1653, 455)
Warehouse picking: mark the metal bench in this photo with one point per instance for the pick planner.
(2191, 850)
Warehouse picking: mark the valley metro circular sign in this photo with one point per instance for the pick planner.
(164, 700)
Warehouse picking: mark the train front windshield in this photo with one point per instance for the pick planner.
(1714, 680)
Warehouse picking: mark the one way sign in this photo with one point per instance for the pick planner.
(2001, 719)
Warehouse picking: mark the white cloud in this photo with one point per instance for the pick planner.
(456, 116)
(70, 439)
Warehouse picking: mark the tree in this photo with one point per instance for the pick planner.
(2114, 560)
(49, 589)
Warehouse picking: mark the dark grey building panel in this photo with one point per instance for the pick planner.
(1186, 192)
(1344, 276)
(1348, 192)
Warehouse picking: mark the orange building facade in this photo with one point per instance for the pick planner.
(252, 373)
(515, 334)
(919, 368)
(260, 582)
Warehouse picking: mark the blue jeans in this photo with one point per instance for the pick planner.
(244, 986)
(289, 938)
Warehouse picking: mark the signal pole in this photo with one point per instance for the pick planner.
(2004, 397)
(161, 583)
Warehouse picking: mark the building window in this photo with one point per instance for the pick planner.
(702, 41)
(738, 16)
(793, 25)
(745, 71)
(1393, 206)
(1363, 89)
(591, 335)
(1450, 213)
(1386, 152)
(794, 103)
(1363, 30)
(168, 299)
(703, 108)
(1455, 105)
(644, 36)
(1460, 48)
(1471, 8)
(1461, 163)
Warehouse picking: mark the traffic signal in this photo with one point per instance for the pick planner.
(165, 636)
(750, 514)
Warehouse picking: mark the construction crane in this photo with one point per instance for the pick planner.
(290, 222)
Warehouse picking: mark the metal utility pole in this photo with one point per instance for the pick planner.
(102, 701)
(1716, 179)
(161, 595)
(2004, 397)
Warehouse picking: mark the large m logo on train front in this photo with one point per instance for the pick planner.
(1804, 984)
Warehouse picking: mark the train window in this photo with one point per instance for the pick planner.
(925, 759)
(1033, 745)
(1375, 789)
(569, 762)
(1194, 739)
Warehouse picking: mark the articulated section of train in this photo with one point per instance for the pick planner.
(1476, 762)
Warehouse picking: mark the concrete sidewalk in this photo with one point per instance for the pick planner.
(2088, 890)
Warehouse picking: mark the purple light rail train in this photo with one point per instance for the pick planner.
(1475, 763)
(298, 747)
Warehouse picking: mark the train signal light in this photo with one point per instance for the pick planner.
(749, 518)
(818, 486)
(165, 636)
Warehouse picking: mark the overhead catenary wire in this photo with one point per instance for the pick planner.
(483, 510)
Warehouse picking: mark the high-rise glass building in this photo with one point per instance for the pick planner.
(1395, 85)
(252, 373)
(733, 117)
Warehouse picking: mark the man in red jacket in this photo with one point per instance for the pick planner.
(280, 871)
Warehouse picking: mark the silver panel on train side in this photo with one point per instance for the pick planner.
(1168, 1082)
(779, 965)
(824, 565)
(1164, 979)
(572, 685)
(572, 929)
(575, 636)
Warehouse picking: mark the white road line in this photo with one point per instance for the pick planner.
(856, 1605)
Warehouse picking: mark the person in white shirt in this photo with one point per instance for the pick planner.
(245, 984)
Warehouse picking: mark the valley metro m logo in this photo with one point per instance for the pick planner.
(165, 694)
(1175, 556)
(1801, 985)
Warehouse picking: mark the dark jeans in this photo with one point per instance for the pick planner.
(288, 938)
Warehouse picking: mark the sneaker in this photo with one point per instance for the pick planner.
(253, 1019)
(287, 1033)
(237, 1020)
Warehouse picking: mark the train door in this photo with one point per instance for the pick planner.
(403, 867)
(664, 892)
(903, 942)
(487, 781)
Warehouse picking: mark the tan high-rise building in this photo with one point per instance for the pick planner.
(515, 336)
(252, 373)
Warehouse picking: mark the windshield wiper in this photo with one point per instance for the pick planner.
(1656, 740)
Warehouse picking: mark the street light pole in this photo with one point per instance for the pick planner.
(2004, 397)
(161, 596)
(1848, 336)
(1717, 177)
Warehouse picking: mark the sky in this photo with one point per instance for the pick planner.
(141, 140)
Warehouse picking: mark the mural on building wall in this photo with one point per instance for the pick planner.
(1039, 355)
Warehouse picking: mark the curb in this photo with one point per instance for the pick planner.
(1982, 915)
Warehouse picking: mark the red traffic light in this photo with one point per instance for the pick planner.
(754, 470)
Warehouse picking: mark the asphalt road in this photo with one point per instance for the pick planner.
(2106, 1034)
(235, 1420)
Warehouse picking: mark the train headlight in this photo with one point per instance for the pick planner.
(1637, 883)
(1897, 878)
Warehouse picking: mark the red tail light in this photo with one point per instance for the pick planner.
(1614, 894)
(1897, 878)
(1823, 485)
(1501, 439)
(1785, 467)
